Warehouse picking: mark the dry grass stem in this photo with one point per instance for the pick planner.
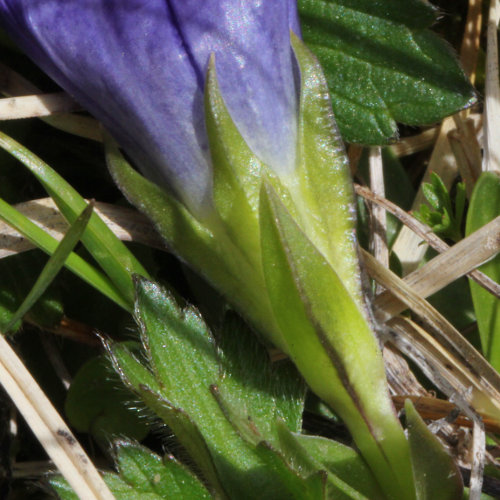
(12, 84)
(467, 150)
(432, 408)
(478, 452)
(471, 40)
(491, 160)
(415, 143)
(425, 232)
(409, 247)
(448, 266)
(378, 219)
(31, 106)
(53, 434)
(445, 339)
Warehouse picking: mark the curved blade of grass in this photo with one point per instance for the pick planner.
(54, 265)
(74, 262)
(112, 255)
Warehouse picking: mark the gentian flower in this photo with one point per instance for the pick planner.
(139, 67)
(259, 198)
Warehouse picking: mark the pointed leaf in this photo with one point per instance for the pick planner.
(262, 391)
(142, 382)
(143, 474)
(342, 461)
(437, 477)
(300, 460)
(149, 475)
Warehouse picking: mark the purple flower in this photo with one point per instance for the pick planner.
(139, 67)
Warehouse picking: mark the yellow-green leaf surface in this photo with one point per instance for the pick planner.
(331, 343)
(484, 207)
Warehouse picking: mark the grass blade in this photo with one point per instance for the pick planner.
(54, 265)
(112, 255)
(74, 262)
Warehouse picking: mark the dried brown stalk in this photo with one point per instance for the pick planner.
(425, 232)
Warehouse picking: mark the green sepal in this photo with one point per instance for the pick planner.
(213, 256)
(437, 477)
(328, 338)
(484, 207)
(324, 196)
(236, 171)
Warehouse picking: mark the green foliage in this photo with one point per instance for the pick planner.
(383, 65)
(443, 216)
(484, 207)
(143, 475)
(97, 403)
(18, 273)
(109, 251)
(237, 416)
(436, 475)
(53, 266)
(48, 244)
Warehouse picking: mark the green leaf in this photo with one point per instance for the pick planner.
(484, 207)
(48, 244)
(154, 477)
(442, 218)
(144, 475)
(18, 273)
(262, 392)
(330, 341)
(342, 461)
(183, 366)
(142, 382)
(437, 477)
(306, 464)
(383, 65)
(54, 264)
(107, 249)
(98, 403)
